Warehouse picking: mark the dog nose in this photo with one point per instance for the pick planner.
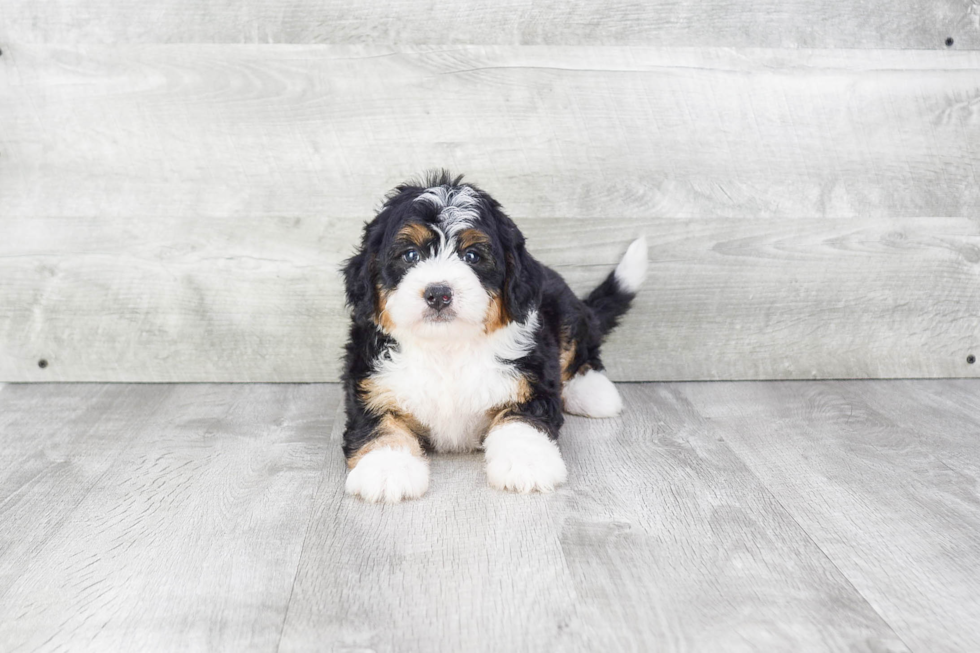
(438, 296)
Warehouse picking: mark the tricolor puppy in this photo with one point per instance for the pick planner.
(460, 339)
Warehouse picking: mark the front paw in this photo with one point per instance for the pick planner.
(388, 474)
(521, 458)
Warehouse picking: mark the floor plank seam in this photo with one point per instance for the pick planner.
(338, 420)
(299, 560)
(92, 486)
(819, 548)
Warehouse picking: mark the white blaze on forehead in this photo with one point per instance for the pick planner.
(457, 206)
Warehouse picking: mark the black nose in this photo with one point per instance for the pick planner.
(438, 296)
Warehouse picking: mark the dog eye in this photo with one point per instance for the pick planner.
(411, 256)
(472, 257)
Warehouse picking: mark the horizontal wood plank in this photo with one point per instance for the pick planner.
(790, 23)
(300, 131)
(867, 478)
(179, 213)
(261, 299)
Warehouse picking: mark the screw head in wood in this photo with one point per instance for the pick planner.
(42, 363)
(971, 359)
(949, 41)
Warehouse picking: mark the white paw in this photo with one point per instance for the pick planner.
(591, 394)
(388, 474)
(522, 459)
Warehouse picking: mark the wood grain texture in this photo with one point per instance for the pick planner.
(260, 299)
(661, 541)
(863, 469)
(809, 516)
(142, 132)
(188, 537)
(57, 443)
(227, 183)
(943, 410)
(792, 23)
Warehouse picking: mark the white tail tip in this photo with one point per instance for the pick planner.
(632, 270)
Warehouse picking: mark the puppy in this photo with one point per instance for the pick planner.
(460, 339)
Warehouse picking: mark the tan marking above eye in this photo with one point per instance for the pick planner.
(416, 233)
(470, 237)
(381, 316)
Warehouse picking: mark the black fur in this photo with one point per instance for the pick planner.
(523, 283)
(365, 346)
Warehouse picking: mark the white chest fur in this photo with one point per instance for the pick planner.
(450, 386)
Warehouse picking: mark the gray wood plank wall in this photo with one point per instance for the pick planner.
(178, 211)
(735, 23)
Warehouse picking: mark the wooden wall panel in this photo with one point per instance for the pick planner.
(141, 131)
(259, 299)
(177, 213)
(748, 23)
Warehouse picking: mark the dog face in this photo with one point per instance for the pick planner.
(441, 261)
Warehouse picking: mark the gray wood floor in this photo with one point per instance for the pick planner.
(754, 516)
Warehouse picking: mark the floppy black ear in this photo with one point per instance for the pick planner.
(359, 285)
(525, 276)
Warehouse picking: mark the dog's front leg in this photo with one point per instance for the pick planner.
(521, 448)
(390, 466)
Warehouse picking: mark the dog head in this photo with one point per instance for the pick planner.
(441, 260)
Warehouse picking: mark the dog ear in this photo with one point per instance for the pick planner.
(523, 281)
(359, 283)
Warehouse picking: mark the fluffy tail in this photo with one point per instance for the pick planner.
(612, 298)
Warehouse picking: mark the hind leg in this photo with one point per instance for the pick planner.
(591, 394)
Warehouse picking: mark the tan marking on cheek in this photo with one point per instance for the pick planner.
(381, 315)
(416, 233)
(496, 317)
(393, 432)
(470, 237)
